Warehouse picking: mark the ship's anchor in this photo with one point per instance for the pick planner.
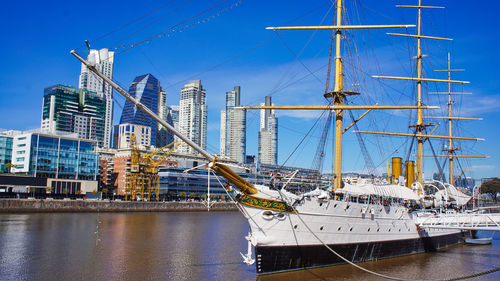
(248, 257)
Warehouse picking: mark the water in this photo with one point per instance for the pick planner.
(183, 246)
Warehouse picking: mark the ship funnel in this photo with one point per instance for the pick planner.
(397, 163)
(409, 173)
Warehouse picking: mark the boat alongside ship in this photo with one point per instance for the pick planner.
(344, 222)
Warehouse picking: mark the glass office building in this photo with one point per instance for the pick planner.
(146, 88)
(51, 156)
(5, 152)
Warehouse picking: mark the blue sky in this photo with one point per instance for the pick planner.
(235, 49)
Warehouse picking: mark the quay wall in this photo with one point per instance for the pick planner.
(58, 206)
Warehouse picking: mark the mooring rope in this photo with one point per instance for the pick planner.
(383, 275)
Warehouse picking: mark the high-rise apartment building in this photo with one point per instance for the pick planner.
(164, 136)
(268, 135)
(103, 60)
(233, 127)
(193, 115)
(146, 88)
(174, 112)
(66, 110)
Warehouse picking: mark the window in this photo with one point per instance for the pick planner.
(21, 145)
(20, 159)
(21, 152)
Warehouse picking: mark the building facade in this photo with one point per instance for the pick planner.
(146, 88)
(5, 152)
(164, 136)
(66, 110)
(123, 132)
(174, 113)
(52, 156)
(233, 127)
(268, 135)
(103, 60)
(193, 115)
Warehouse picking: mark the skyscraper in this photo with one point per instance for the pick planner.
(146, 88)
(233, 127)
(164, 136)
(268, 135)
(67, 110)
(193, 115)
(103, 60)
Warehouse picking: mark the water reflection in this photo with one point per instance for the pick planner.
(183, 246)
(132, 246)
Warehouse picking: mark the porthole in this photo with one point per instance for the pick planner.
(400, 230)
(321, 228)
(368, 229)
(267, 215)
(350, 229)
(389, 230)
(378, 229)
(338, 229)
(347, 207)
(320, 204)
(335, 205)
(295, 226)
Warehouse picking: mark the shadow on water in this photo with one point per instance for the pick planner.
(452, 262)
(219, 264)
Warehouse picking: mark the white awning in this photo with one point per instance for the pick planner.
(380, 190)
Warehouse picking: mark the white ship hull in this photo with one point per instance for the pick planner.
(357, 231)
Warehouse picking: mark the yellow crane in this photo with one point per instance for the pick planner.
(151, 165)
(143, 179)
(134, 179)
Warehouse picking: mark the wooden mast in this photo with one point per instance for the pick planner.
(451, 150)
(338, 99)
(420, 123)
(450, 147)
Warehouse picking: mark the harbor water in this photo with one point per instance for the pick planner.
(185, 246)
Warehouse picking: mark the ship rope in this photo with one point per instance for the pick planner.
(128, 24)
(440, 170)
(302, 140)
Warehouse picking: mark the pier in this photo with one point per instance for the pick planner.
(61, 206)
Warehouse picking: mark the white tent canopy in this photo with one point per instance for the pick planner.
(380, 190)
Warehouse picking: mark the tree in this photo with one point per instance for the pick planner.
(182, 195)
(491, 187)
(10, 165)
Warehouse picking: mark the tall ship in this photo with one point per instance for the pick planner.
(346, 222)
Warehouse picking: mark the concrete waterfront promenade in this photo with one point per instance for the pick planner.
(60, 206)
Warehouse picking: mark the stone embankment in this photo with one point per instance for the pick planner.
(36, 205)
